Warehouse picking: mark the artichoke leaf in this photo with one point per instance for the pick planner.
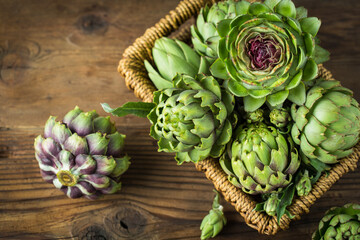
(297, 95)
(251, 103)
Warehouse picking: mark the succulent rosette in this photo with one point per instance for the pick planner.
(192, 119)
(81, 155)
(339, 223)
(261, 159)
(205, 37)
(327, 126)
(268, 52)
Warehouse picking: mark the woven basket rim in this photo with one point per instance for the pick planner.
(132, 68)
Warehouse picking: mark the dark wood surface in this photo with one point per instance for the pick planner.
(58, 54)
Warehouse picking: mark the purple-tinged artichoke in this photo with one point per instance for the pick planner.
(81, 155)
(267, 53)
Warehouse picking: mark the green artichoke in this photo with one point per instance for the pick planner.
(204, 34)
(81, 155)
(268, 52)
(340, 223)
(213, 223)
(172, 57)
(303, 186)
(260, 160)
(327, 126)
(192, 119)
(271, 204)
(256, 116)
(280, 117)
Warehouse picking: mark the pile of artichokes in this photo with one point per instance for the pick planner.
(247, 92)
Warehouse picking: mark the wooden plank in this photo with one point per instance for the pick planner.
(58, 54)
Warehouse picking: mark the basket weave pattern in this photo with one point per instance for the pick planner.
(132, 68)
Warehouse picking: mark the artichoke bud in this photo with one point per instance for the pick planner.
(213, 223)
(74, 155)
(303, 187)
(104, 125)
(340, 223)
(326, 136)
(271, 204)
(192, 119)
(280, 117)
(256, 116)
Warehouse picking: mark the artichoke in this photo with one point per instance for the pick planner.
(192, 119)
(327, 126)
(204, 34)
(260, 160)
(267, 53)
(213, 223)
(81, 155)
(255, 116)
(172, 57)
(280, 117)
(271, 204)
(303, 186)
(340, 223)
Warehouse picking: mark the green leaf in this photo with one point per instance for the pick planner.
(321, 54)
(237, 89)
(258, 8)
(251, 104)
(205, 63)
(139, 109)
(310, 70)
(285, 200)
(156, 78)
(301, 13)
(310, 25)
(286, 8)
(218, 69)
(242, 7)
(298, 95)
(223, 27)
(309, 44)
(278, 98)
(271, 3)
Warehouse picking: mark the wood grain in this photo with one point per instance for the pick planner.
(58, 54)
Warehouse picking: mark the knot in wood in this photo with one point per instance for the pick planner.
(92, 23)
(93, 233)
(130, 221)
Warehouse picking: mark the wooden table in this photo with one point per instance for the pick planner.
(58, 54)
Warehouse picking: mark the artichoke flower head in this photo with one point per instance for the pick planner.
(339, 223)
(327, 125)
(82, 155)
(261, 159)
(267, 53)
(193, 118)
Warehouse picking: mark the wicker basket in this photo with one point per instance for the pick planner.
(131, 67)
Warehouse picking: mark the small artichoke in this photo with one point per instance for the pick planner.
(81, 155)
(327, 126)
(267, 52)
(303, 186)
(192, 119)
(280, 117)
(340, 223)
(172, 57)
(256, 116)
(213, 223)
(260, 160)
(271, 204)
(205, 37)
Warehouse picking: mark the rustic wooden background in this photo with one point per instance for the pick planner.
(58, 54)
